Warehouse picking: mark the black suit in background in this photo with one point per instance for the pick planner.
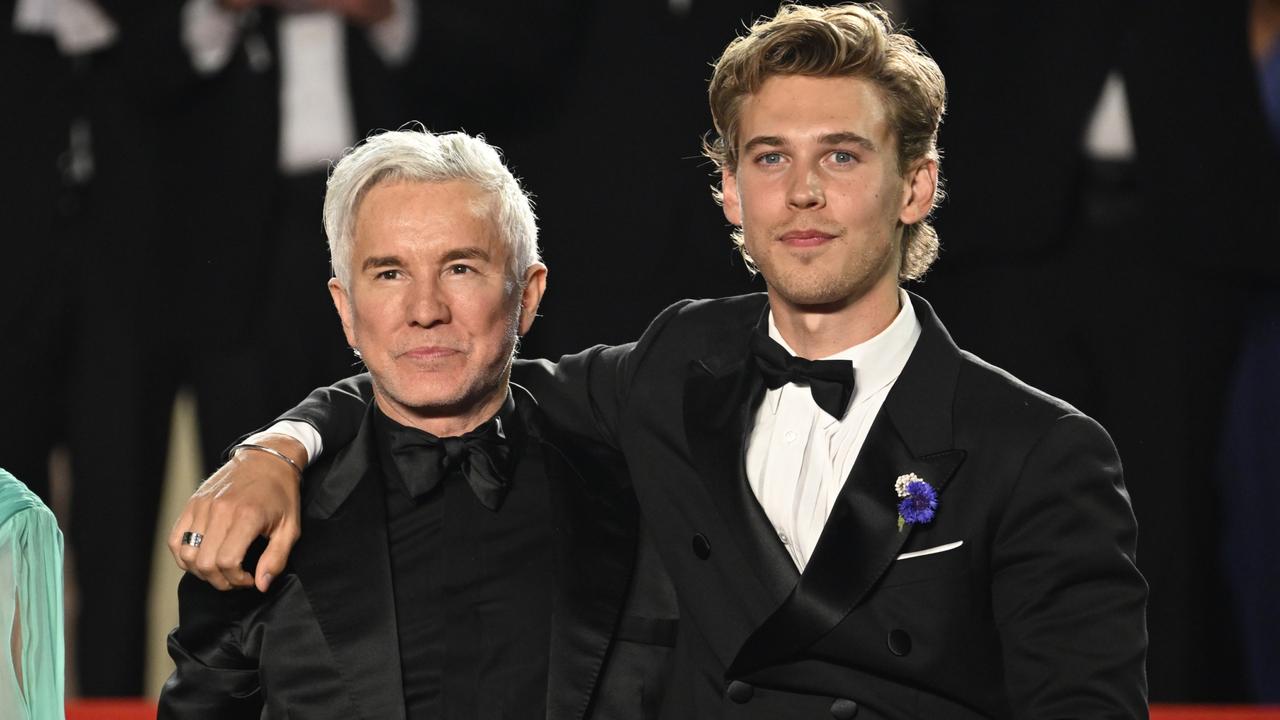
(181, 283)
(321, 643)
(92, 271)
(1118, 286)
(255, 234)
(159, 305)
(615, 165)
(35, 301)
(1038, 613)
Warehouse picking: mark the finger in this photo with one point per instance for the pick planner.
(242, 531)
(206, 556)
(271, 564)
(198, 514)
(180, 526)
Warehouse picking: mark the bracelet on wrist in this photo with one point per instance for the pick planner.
(265, 449)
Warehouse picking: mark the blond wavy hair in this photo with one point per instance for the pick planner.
(841, 41)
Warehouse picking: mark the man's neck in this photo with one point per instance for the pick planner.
(815, 332)
(445, 423)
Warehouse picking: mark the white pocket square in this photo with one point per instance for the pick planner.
(932, 550)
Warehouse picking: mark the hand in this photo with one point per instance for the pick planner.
(360, 12)
(254, 493)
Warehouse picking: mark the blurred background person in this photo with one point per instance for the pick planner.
(1247, 477)
(84, 221)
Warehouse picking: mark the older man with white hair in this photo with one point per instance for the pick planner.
(453, 563)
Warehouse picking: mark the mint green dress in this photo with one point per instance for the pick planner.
(30, 606)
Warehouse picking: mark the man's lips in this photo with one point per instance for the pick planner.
(806, 238)
(428, 352)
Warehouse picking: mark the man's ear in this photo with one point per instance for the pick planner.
(535, 284)
(919, 186)
(342, 302)
(729, 197)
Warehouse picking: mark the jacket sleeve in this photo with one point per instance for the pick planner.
(586, 394)
(335, 411)
(1067, 596)
(215, 675)
(583, 394)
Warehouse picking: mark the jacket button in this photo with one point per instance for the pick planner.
(844, 709)
(701, 547)
(739, 691)
(899, 642)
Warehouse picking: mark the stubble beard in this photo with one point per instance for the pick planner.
(819, 283)
(457, 399)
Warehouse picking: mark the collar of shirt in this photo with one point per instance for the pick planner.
(878, 361)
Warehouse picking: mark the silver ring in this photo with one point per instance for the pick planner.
(192, 538)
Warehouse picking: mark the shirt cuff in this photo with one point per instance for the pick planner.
(303, 432)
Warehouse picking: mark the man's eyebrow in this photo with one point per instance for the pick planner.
(466, 253)
(844, 138)
(836, 138)
(763, 141)
(380, 261)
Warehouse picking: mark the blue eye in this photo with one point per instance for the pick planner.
(841, 157)
(772, 158)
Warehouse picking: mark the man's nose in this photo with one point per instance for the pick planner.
(806, 190)
(426, 304)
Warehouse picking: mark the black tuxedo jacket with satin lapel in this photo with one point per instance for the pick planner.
(322, 642)
(1038, 610)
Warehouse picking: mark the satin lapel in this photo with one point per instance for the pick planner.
(595, 534)
(911, 434)
(720, 398)
(344, 565)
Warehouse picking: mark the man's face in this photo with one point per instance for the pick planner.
(430, 307)
(818, 192)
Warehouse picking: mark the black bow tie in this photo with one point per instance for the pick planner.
(483, 456)
(830, 381)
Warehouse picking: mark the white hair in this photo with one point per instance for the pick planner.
(423, 156)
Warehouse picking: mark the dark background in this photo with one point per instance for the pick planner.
(1143, 290)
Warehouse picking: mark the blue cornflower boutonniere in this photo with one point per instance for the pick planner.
(918, 500)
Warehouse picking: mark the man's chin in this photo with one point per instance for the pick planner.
(438, 397)
(814, 297)
(432, 405)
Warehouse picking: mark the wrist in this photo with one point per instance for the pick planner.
(284, 448)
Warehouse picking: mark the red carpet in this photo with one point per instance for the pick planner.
(146, 710)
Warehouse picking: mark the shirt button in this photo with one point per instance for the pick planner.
(783, 537)
(789, 436)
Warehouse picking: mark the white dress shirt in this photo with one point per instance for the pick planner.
(798, 456)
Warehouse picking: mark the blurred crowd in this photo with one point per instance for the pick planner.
(1111, 234)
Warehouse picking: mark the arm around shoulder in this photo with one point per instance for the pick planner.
(587, 394)
(335, 411)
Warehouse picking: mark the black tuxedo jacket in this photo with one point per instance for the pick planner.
(322, 642)
(1035, 611)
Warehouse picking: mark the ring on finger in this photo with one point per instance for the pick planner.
(192, 538)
